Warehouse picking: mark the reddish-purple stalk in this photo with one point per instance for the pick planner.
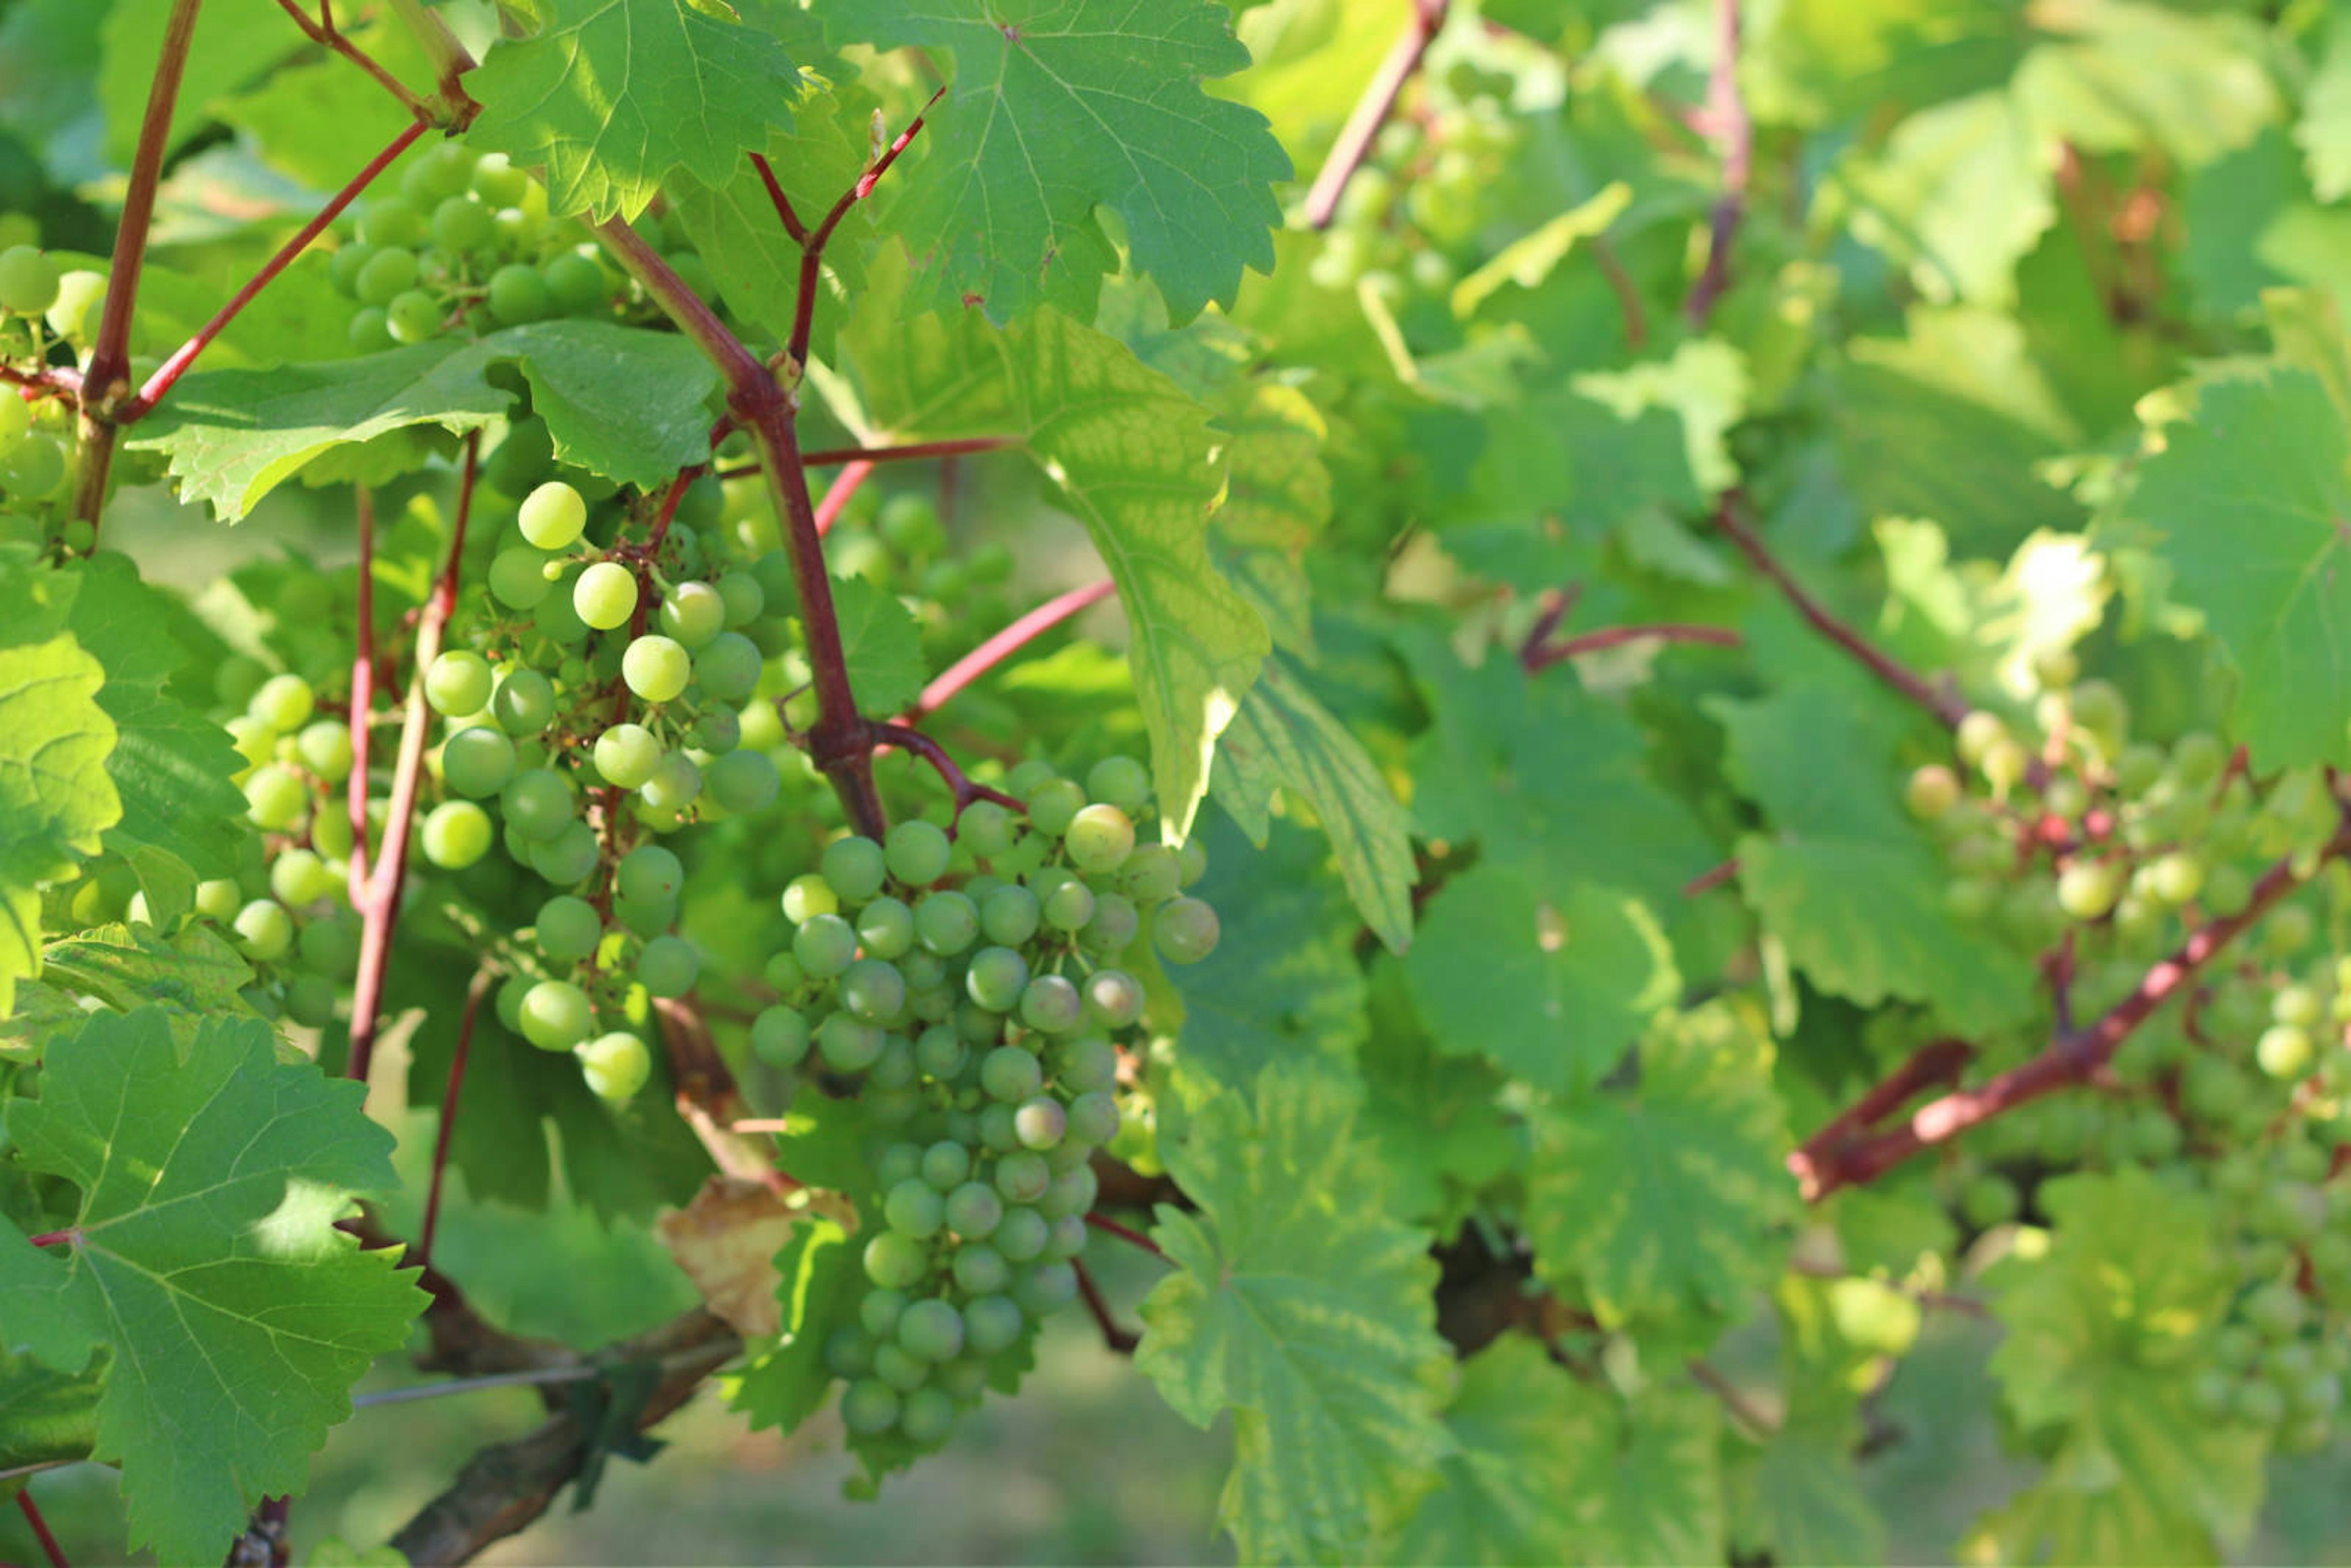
(1132, 1238)
(1007, 642)
(1372, 111)
(783, 204)
(1120, 1341)
(1628, 293)
(959, 783)
(1842, 1154)
(834, 456)
(1713, 877)
(442, 1137)
(362, 704)
(55, 1237)
(845, 484)
(110, 357)
(1543, 657)
(329, 37)
(40, 1528)
(378, 902)
(1727, 122)
(812, 247)
(172, 369)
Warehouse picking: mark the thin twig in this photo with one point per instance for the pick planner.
(783, 204)
(49, 1547)
(959, 783)
(1362, 131)
(1120, 1341)
(812, 248)
(1543, 657)
(329, 37)
(1734, 132)
(172, 369)
(1132, 1238)
(1709, 880)
(380, 916)
(442, 1135)
(1938, 1062)
(110, 355)
(1628, 293)
(834, 456)
(845, 484)
(1734, 1399)
(1006, 644)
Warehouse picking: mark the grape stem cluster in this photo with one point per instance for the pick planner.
(1372, 111)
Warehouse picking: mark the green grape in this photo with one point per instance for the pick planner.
(1050, 1004)
(849, 1044)
(1186, 931)
(79, 294)
(263, 931)
(872, 989)
(744, 781)
(869, 1407)
(331, 946)
(941, 1052)
(275, 798)
(896, 1261)
(555, 1015)
(741, 591)
(34, 468)
(728, 667)
(979, 1270)
(2087, 890)
(412, 317)
(985, 828)
(2177, 877)
(1045, 1289)
(1040, 1123)
(325, 747)
(853, 868)
(28, 280)
(1009, 1073)
(824, 944)
(1071, 1193)
(692, 613)
(458, 682)
(2288, 930)
(947, 923)
(497, 182)
(2197, 757)
(299, 877)
(668, 967)
(1088, 1062)
(554, 515)
(917, 853)
(283, 703)
(577, 283)
(927, 1416)
(848, 1353)
(886, 929)
(1068, 906)
(569, 928)
(217, 899)
(900, 1368)
(311, 1001)
(456, 834)
(1120, 781)
(1113, 998)
(2285, 1051)
(604, 596)
(387, 274)
(462, 224)
(808, 896)
(676, 781)
(370, 331)
(780, 1037)
(973, 1211)
(518, 296)
(1054, 805)
(626, 755)
(1113, 926)
(616, 1065)
(716, 730)
(997, 977)
(537, 803)
(649, 874)
(946, 1164)
(915, 1208)
(1977, 732)
(1151, 874)
(16, 421)
(655, 668)
(524, 703)
(1099, 838)
(1009, 916)
(1094, 1118)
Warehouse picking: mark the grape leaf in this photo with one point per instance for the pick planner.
(2106, 1327)
(192, 973)
(883, 645)
(1963, 190)
(311, 120)
(1283, 739)
(1133, 459)
(1507, 1493)
(232, 436)
(2324, 132)
(1276, 501)
(1843, 878)
(1284, 982)
(56, 799)
(2251, 498)
(1302, 1308)
(234, 41)
(823, 1280)
(1648, 1479)
(204, 1254)
(45, 1417)
(1061, 107)
(614, 96)
(1668, 1201)
(1798, 1499)
(1438, 1120)
(1551, 982)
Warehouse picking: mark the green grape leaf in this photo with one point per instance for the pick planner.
(2120, 76)
(1061, 107)
(2138, 1476)
(1506, 1494)
(191, 974)
(1302, 1308)
(1798, 1499)
(1843, 878)
(1133, 459)
(2324, 132)
(232, 436)
(56, 799)
(45, 1417)
(882, 644)
(2249, 498)
(1284, 982)
(234, 41)
(613, 97)
(1648, 1478)
(1962, 190)
(1667, 1201)
(204, 1254)
(1551, 982)
(1439, 1119)
(310, 121)
(1284, 739)
(1276, 502)
(823, 1280)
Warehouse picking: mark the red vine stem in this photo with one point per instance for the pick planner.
(1543, 657)
(362, 704)
(1947, 707)
(1120, 1341)
(422, 1255)
(783, 204)
(958, 782)
(380, 905)
(329, 37)
(109, 356)
(1827, 1162)
(41, 1527)
(833, 456)
(1132, 1238)
(844, 485)
(1727, 122)
(812, 247)
(172, 369)
(1006, 644)
(1709, 880)
(1371, 111)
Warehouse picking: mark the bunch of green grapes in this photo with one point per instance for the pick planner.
(40, 306)
(973, 990)
(466, 244)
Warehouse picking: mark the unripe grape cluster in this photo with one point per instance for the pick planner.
(972, 990)
(2099, 854)
(41, 303)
